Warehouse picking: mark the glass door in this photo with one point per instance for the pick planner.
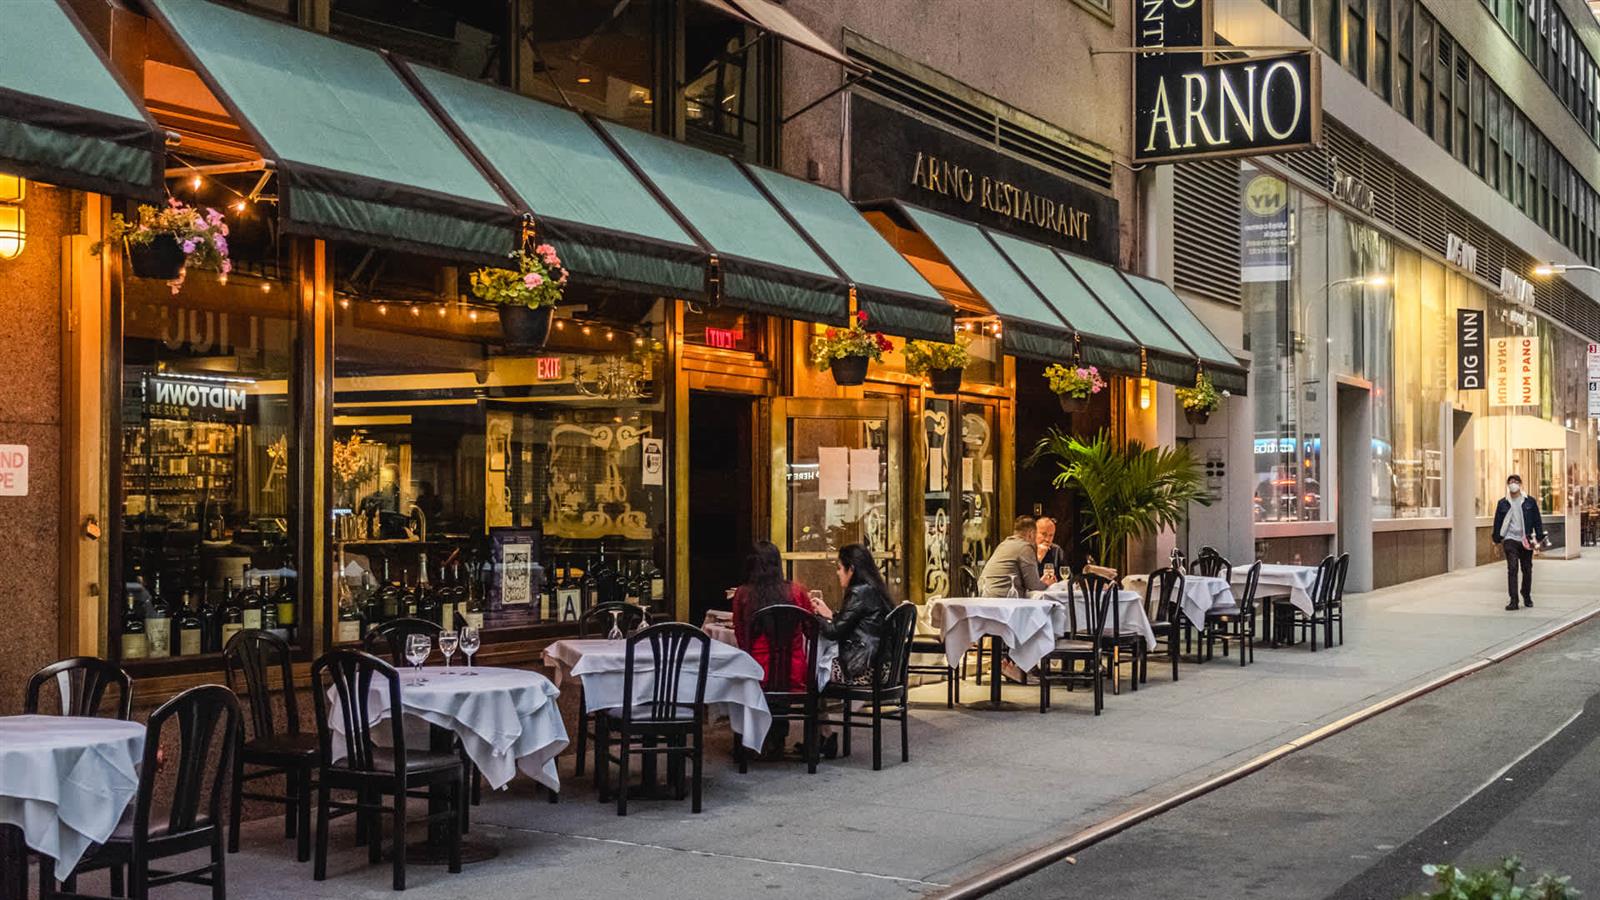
(960, 496)
(837, 476)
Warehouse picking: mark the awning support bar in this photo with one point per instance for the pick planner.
(850, 81)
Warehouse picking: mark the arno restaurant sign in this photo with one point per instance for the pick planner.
(1189, 105)
(894, 156)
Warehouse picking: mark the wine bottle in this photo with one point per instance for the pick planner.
(269, 608)
(428, 606)
(232, 615)
(134, 643)
(157, 623)
(211, 619)
(550, 599)
(249, 602)
(191, 627)
(348, 631)
(631, 588)
(658, 587)
(472, 606)
(287, 600)
(389, 595)
(589, 588)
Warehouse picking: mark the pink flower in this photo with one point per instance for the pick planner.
(220, 242)
(533, 279)
(226, 267)
(188, 247)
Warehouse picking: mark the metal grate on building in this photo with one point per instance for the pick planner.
(1205, 226)
(986, 119)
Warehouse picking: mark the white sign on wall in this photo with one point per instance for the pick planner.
(13, 470)
(1594, 361)
(1514, 371)
(1594, 399)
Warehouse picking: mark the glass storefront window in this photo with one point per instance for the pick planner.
(720, 94)
(598, 55)
(469, 39)
(207, 484)
(722, 328)
(1285, 239)
(516, 489)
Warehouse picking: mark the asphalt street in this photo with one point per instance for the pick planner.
(1504, 761)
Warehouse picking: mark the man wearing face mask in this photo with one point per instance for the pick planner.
(1518, 529)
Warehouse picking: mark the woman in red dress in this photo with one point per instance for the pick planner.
(765, 586)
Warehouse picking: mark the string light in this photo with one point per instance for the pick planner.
(608, 334)
(383, 309)
(587, 331)
(344, 302)
(638, 342)
(441, 312)
(238, 206)
(416, 310)
(472, 314)
(194, 183)
(561, 325)
(266, 287)
(223, 278)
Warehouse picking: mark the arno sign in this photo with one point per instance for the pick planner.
(1187, 105)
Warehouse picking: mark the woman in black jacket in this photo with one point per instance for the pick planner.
(859, 623)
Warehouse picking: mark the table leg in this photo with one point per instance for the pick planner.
(435, 851)
(13, 864)
(994, 703)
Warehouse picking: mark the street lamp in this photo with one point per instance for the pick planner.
(1545, 270)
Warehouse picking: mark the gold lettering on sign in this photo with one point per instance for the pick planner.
(950, 179)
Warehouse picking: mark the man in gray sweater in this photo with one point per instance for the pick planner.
(1013, 565)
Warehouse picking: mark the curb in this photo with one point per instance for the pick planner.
(984, 883)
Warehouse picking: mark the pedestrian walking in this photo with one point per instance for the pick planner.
(1518, 530)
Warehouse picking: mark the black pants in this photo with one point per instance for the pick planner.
(1516, 555)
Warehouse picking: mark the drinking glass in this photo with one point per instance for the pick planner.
(469, 641)
(816, 601)
(447, 646)
(417, 648)
(615, 634)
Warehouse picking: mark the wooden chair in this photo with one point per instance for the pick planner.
(82, 682)
(1239, 623)
(388, 640)
(269, 753)
(594, 623)
(664, 725)
(887, 695)
(207, 735)
(1163, 605)
(373, 772)
(1087, 643)
(784, 628)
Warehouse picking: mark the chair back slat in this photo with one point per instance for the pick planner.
(669, 645)
(81, 682)
(1322, 589)
(783, 627)
(389, 639)
(892, 660)
(1163, 595)
(349, 673)
(1211, 564)
(1342, 570)
(1252, 580)
(596, 621)
(207, 726)
(1099, 596)
(254, 653)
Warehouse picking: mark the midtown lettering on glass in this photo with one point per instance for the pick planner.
(1186, 106)
(951, 179)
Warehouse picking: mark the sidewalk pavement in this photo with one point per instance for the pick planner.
(981, 787)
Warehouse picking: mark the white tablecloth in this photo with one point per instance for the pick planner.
(827, 651)
(733, 681)
(66, 781)
(1201, 594)
(1028, 626)
(1130, 612)
(506, 719)
(1299, 581)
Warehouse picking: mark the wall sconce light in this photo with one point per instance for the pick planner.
(13, 219)
(1147, 392)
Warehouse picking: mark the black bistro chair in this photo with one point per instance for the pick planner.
(784, 628)
(677, 651)
(596, 623)
(268, 752)
(81, 682)
(191, 816)
(374, 772)
(1335, 615)
(1083, 656)
(1237, 624)
(887, 695)
(1163, 606)
(388, 640)
(1211, 564)
(1289, 618)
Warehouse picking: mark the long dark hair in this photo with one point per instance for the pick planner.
(863, 570)
(764, 576)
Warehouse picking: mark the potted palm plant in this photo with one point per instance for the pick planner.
(162, 242)
(941, 362)
(527, 296)
(1200, 401)
(1128, 492)
(847, 351)
(1074, 385)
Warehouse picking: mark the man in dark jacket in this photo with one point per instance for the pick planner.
(1518, 529)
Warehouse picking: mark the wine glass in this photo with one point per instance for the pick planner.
(816, 600)
(469, 640)
(447, 646)
(615, 634)
(418, 646)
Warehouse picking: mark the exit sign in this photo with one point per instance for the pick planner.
(723, 338)
(548, 368)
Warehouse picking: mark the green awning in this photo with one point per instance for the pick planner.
(1223, 368)
(359, 157)
(767, 266)
(896, 299)
(1032, 327)
(1168, 358)
(604, 222)
(1103, 340)
(65, 117)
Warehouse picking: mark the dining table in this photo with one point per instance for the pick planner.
(827, 650)
(1026, 628)
(1296, 582)
(1131, 617)
(65, 784)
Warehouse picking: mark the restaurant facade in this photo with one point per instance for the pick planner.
(1405, 355)
(332, 429)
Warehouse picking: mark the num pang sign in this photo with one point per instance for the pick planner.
(1187, 105)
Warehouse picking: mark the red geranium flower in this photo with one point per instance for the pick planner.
(861, 316)
(832, 334)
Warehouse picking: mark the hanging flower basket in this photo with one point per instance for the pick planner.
(849, 371)
(1200, 401)
(1074, 385)
(526, 327)
(945, 381)
(161, 258)
(1071, 404)
(1197, 416)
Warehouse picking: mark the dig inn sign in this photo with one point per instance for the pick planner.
(1187, 106)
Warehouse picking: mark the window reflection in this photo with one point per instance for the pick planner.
(599, 56)
(469, 38)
